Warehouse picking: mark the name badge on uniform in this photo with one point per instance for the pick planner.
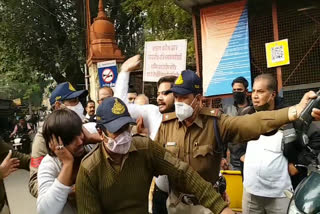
(171, 144)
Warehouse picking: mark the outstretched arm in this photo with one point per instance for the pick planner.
(248, 127)
(184, 179)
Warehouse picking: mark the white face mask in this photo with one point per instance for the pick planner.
(121, 144)
(183, 111)
(77, 109)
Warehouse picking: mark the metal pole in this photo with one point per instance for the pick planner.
(142, 87)
(86, 76)
(276, 37)
(195, 35)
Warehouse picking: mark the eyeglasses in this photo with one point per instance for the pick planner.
(164, 92)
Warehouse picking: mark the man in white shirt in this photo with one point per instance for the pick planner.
(152, 114)
(266, 173)
(152, 118)
(91, 112)
(132, 95)
(141, 99)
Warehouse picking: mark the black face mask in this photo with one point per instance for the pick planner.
(239, 97)
(264, 107)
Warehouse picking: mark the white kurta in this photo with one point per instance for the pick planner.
(265, 167)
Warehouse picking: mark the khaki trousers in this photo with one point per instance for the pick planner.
(252, 204)
(175, 206)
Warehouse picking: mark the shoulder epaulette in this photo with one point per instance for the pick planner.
(169, 116)
(92, 151)
(141, 142)
(214, 112)
(139, 135)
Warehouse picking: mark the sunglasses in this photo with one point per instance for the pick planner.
(164, 92)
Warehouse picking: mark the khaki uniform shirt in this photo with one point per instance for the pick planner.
(196, 144)
(103, 187)
(39, 150)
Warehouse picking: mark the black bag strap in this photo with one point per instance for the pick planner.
(220, 146)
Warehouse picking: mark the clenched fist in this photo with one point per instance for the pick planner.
(131, 64)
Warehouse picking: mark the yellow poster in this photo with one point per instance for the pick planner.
(277, 53)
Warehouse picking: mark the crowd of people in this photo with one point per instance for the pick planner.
(102, 159)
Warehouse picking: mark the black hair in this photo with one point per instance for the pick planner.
(90, 101)
(169, 79)
(241, 80)
(132, 90)
(63, 123)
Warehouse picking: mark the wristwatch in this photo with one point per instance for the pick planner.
(293, 112)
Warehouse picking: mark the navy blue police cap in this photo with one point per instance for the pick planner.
(65, 91)
(113, 114)
(187, 83)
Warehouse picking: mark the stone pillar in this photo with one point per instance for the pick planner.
(102, 47)
(94, 82)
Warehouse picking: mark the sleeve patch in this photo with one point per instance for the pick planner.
(35, 162)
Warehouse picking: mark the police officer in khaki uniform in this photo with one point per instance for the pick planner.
(190, 135)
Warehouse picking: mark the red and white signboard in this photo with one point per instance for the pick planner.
(164, 58)
(107, 75)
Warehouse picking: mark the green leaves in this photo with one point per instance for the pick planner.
(163, 20)
(44, 40)
(46, 32)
